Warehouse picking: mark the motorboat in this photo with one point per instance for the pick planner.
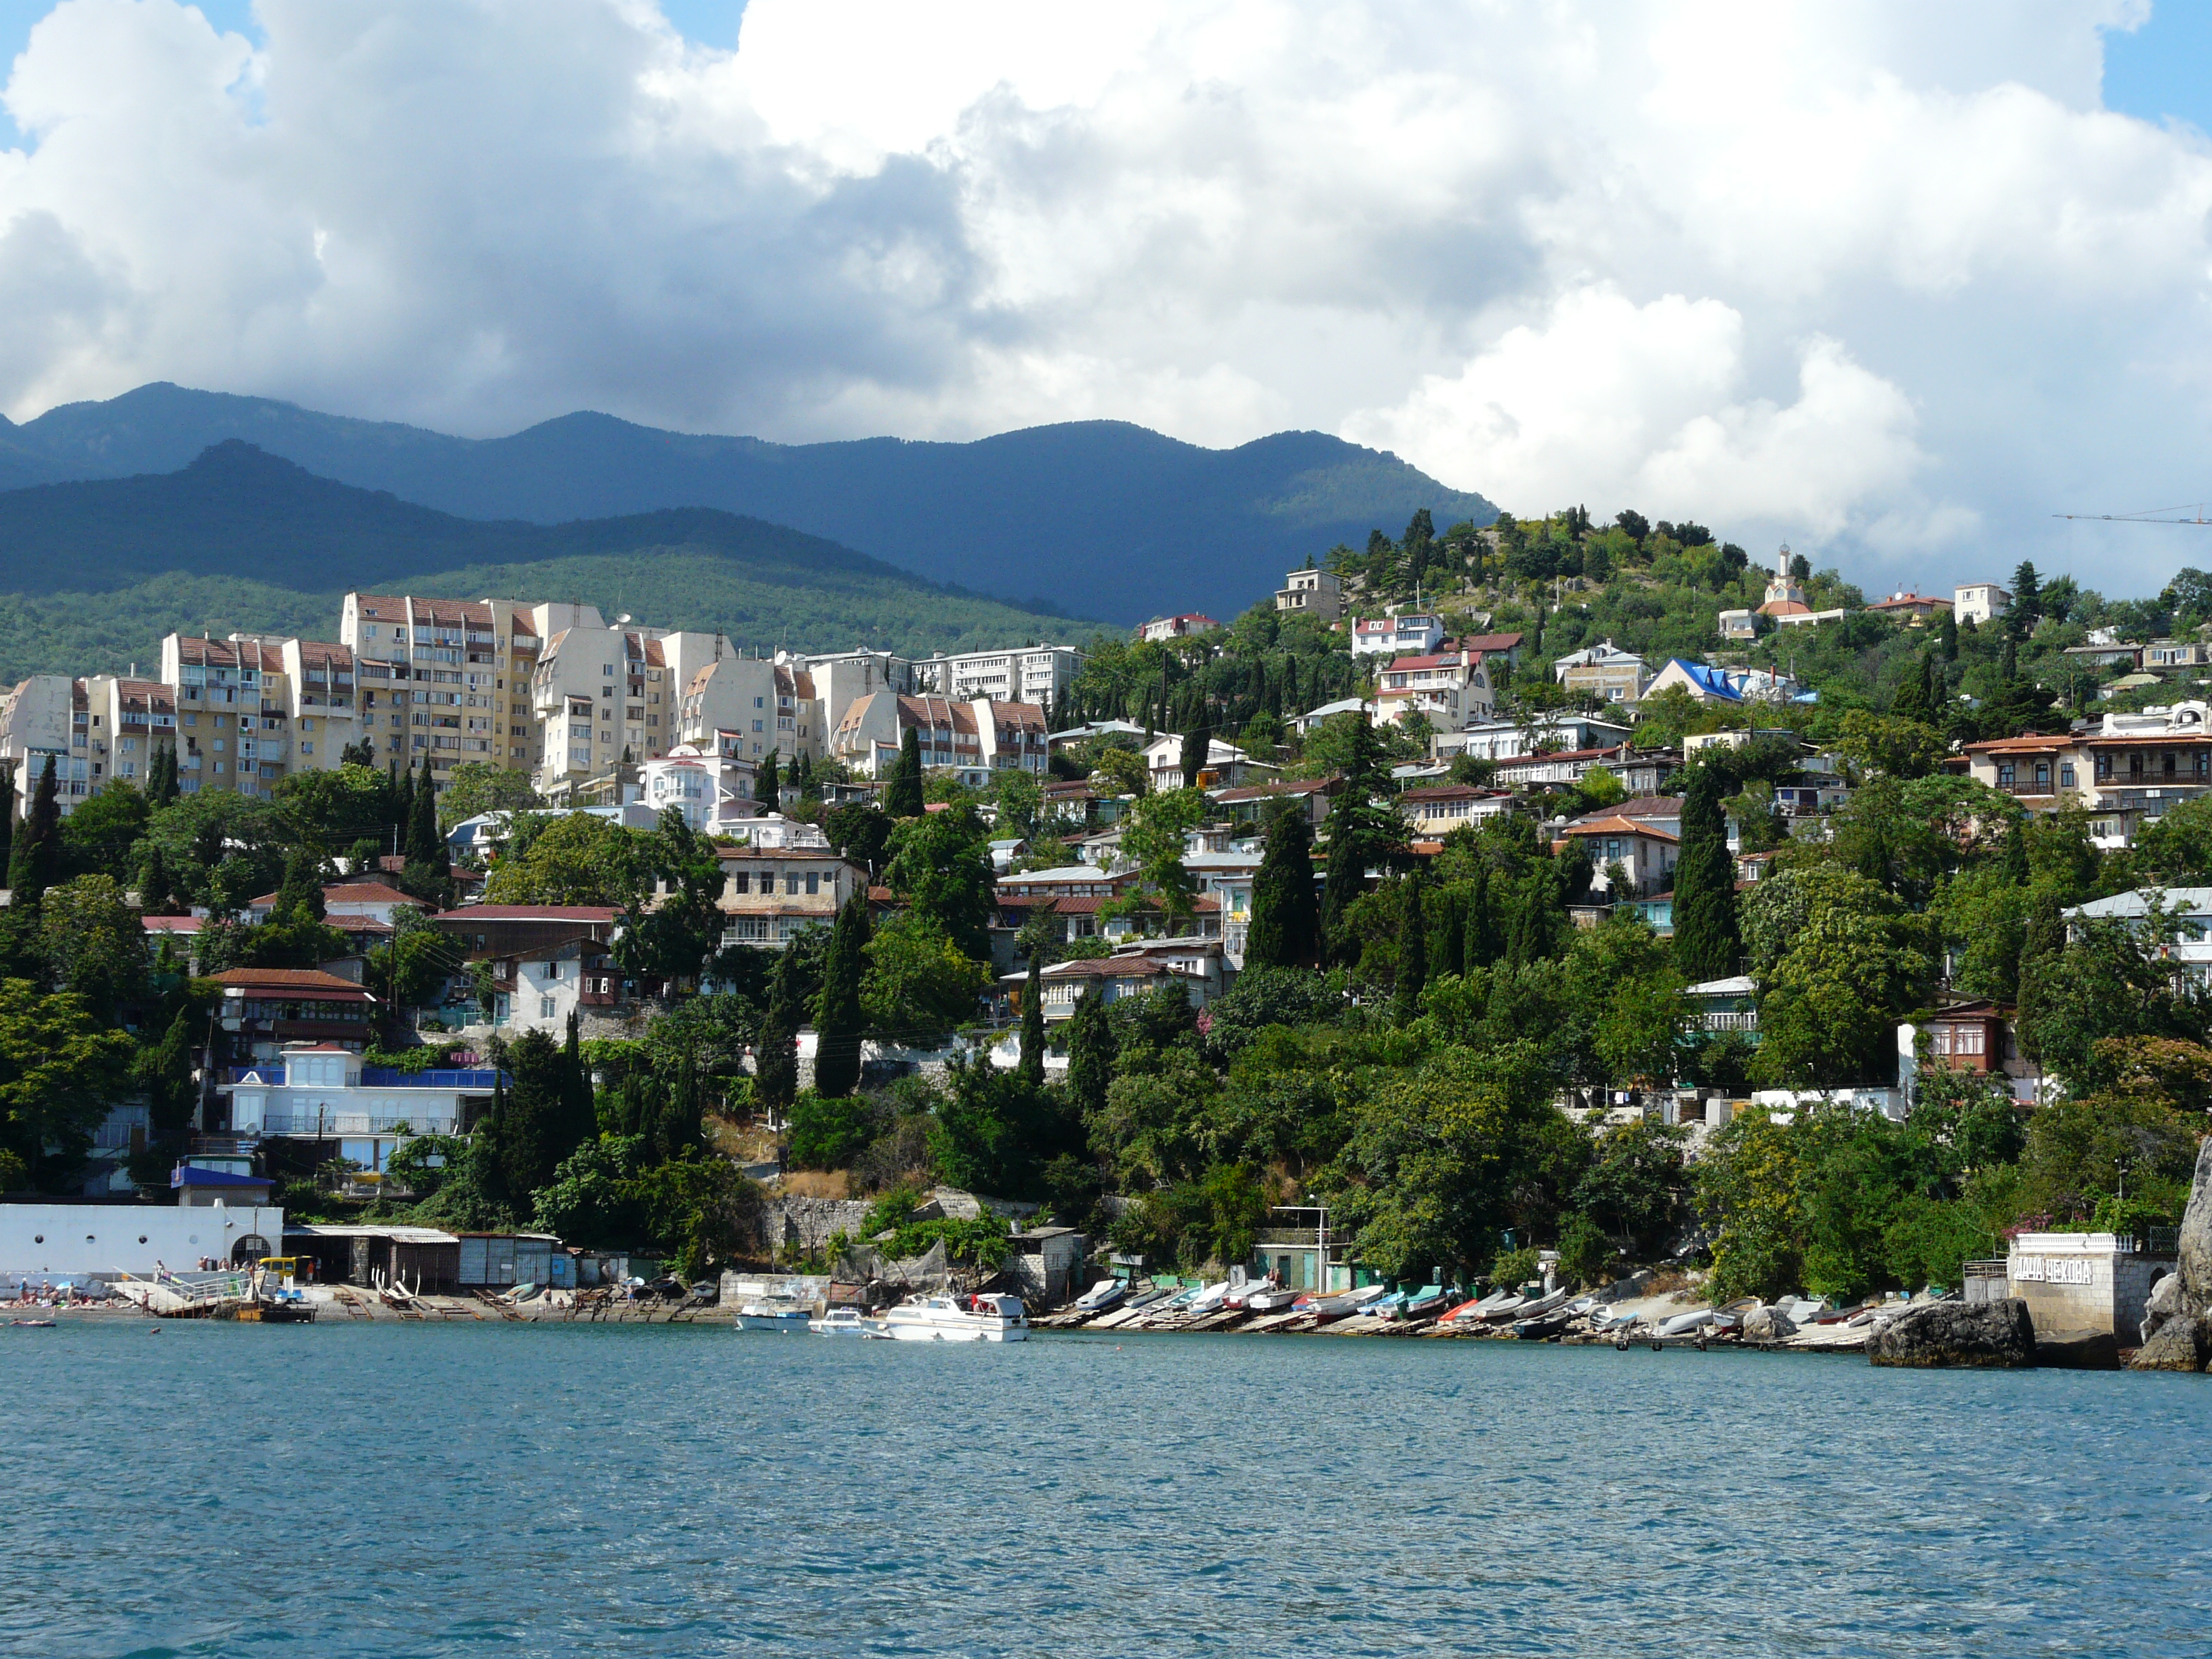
(948, 1318)
(1106, 1294)
(839, 1321)
(772, 1316)
(1209, 1299)
(1270, 1299)
(1686, 1324)
(1385, 1307)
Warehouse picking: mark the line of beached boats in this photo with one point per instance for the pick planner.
(947, 1317)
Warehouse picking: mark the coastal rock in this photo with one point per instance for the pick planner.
(2196, 1245)
(2182, 1344)
(1996, 1335)
(2166, 1303)
(1768, 1325)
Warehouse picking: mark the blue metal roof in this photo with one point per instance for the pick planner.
(191, 1174)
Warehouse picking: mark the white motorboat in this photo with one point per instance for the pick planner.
(772, 1316)
(1272, 1299)
(958, 1319)
(1209, 1299)
(1105, 1294)
(1686, 1324)
(839, 1321)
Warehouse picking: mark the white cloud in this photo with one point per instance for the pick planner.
(1867, 276)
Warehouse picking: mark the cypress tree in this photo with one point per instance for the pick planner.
(837, 1019)
(2015, 853)
(580, 1115)
(1032, 1066)
(803, 773)
(1360, 833)
(1412, 973)
(1479, 944)
(1197, 746)
(1448, 933)
(401, 791)
(902, 797)
(1090, 1054)
(1707, 945)
(487, 1149)
(1949, 642)
(2040, 946)
(1910, 703)
(155, 897)
(35, 856)
(7, 814)
(775, 1057)
(768, 786)
(1285, 928)
(679, 1122)
(424, 844)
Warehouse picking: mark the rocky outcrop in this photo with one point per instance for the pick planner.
(1768, 1325)
(2077, 1351)
(1996, 1334)
(2177, 1333)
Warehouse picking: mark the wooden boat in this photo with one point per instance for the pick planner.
(1426, 1302)
(1524, 1308)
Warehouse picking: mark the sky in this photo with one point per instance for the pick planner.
(1895, 283)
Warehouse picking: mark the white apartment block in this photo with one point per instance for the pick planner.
(1410, 635)
(47, 716)
(748, 708)
(974, 738)
(600, 694)
(1035, 673)
(842, 679)
(1979, 603)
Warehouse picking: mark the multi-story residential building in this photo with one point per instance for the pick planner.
(1411, 634)
(2167, 657)
(1316, 594)
(140, 717)
(1979, 602)
(322, 1092)
(602, 694)
(48, 717)
(2130, 770)
(230, 735)
(771, 895)
(1438, 809)
(1604, 671)
(447, 680)
(975, 736)
(1161, 630)
(1034, 673)
(1449, 687)
(842, 679)
(545, 962)
(751, 707)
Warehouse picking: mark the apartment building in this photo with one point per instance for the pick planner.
(1317, 594)
(1412, 634)
(138, 717)
(1449, 687)
(1035, 673)
(2129, 771)
(1979, 603)
(46, 717)
(975, 736)
(447, 680)
(770, 894)
(750, 707)
(1162, 629)
(600, 694)
(843, 678)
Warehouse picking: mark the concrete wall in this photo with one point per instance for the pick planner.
(2083, 1282)
(805, 1223)
(55, 1242)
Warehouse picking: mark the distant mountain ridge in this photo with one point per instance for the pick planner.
(1107, 519)
(93, 572)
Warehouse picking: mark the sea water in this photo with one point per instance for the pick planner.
(390, 1491)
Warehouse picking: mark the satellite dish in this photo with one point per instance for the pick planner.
(623, 619)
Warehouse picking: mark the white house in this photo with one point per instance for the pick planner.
(1499, 740)
(1161, 630)
(1979, 602)
(318, 1091)
(713, 790)
(1225, 764)
(1449, 687)
(1411, 634)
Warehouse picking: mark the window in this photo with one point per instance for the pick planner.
(790, 882)
(2066, 775)
(742, 882)
(813, 881)
(545, 1007)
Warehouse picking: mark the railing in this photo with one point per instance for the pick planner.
(2043, 788)
(359, 1123)
(375, 1077)
(1747, 1020)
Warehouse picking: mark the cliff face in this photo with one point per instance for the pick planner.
(2176, 1331)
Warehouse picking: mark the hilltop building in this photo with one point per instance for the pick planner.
(1315, 593)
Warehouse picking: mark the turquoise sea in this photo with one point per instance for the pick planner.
(395, 1491)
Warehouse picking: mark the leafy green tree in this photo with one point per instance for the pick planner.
(479, 786)
(940, 865)
(100, 836)
(670, 933)
(703, 1209)
(919, 984)
(61, 1068)
(574, 859)
(1285, 927)
(1829, 1006)
(838, 1019)
(1157, 837)
(34, 861)
(976, 1139)
(860, 832)
(1891, 745)
(1706, 943)
(541, 1124)
(902, 794)
(96, 942)
(828, 1132)
(591, 1200)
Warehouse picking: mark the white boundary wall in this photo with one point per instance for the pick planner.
(54, 1241)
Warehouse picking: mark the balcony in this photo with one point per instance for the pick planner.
(372, 1077)
(330, 1125)
(2031, 789)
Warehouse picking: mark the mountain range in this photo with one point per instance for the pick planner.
(1100, 519)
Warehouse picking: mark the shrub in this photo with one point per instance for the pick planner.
(827, 1134)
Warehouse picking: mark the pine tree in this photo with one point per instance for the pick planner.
(1285, 928)
(776, 1056)
(2026, 609)
(7, 814)
(902, 797)
(838, 1022)
(35, 858)
(768, 786)
(1412, 974)
(1032, 1067)
(1707, 945)
(1090, 1054)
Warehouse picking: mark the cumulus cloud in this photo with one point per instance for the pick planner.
(1882, 281)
